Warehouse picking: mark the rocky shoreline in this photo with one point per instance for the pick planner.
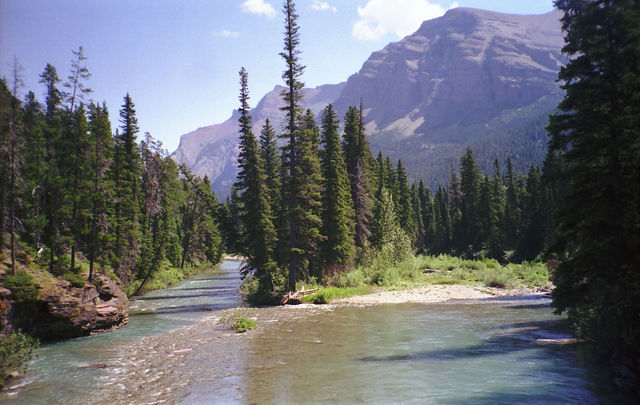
(66, 311)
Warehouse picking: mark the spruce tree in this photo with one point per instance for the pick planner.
(596, 132)
(337, 210)
(100, 158)
(403, 199)
(470, 187)
(127, 173)
(292, 97)
(251, 184)
(308, 213)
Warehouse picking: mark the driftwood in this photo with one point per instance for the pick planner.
(293, 297)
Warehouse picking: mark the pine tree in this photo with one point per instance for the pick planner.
(359, 162)
(254, 195)
(469, 186)
(52, 182)
(308, 212)
(272, 164)
(511, 221)
(79, 74)
(292, 96)
(596, 132)
(127, 173)
(337, 210)
(403, 198)
(428, 216)
(100, 158)
(531, 241)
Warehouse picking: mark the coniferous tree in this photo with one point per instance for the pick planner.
(272, 165)
(531, 241)
(469, 186)
(52, 182)
(428, 217)
(100, 158)
(403, 200)
(511, 220)
(309, 209)
(337, 210)
(75, 81)
(596, 132)
(127, 188)
(251, 184)
(292, 96)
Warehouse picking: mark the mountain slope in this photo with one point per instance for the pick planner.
(213, 150)
(470, 77)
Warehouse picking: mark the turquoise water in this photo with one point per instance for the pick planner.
(459, 352)
(55, 376)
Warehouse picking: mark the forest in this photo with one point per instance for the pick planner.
(313, 203)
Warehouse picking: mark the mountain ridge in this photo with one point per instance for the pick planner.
(467, 78)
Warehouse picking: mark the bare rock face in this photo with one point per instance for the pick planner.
(70, 312)
(470, 77)
(463, 68)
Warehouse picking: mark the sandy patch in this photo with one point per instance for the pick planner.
(431, 294)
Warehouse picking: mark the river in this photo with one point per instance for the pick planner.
(458, 352)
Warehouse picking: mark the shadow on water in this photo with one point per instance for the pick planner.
(523, 337)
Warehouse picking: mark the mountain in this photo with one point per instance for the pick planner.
(469, 78)
(213, 150)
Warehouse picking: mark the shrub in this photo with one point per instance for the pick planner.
(243, 324)
(22, 286)
(16, 350)
(76, 280)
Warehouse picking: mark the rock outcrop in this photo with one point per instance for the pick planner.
(68, 311)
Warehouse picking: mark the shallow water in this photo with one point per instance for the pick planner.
(55, 377)
(459, 352)
(465, 352)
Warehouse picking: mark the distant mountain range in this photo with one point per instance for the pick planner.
(469, 78)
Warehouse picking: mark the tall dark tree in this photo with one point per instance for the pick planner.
(359, 162)
(403, 201)
(337, 209)
(52, 182)
(470, 187)
(596, 132)
(511, 219)
(292, 96)
(127, 171)
(251, 183)
(308, 213)
(272, 164)
(100, 158)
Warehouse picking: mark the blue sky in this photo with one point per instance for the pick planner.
(179, 59)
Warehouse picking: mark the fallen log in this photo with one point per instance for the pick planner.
(293, 297)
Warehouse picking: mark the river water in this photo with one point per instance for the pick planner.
(56, 375)
(459, 352)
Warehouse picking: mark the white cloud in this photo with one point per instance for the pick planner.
(259, 7)
(401, 17)
(322, 5)
(226, 34)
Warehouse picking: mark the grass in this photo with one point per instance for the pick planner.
(417, 271)
(243, 324)
(328, 294)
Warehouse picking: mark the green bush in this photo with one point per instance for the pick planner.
(22, 286)
(76, 280)
(16, 350)
(243, 324)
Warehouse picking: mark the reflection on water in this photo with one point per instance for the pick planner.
(55, 376)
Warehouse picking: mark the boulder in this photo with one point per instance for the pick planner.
(72, 311)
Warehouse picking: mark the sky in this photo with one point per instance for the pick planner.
(179, 59)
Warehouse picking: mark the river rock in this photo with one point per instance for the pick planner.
(71, 311)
